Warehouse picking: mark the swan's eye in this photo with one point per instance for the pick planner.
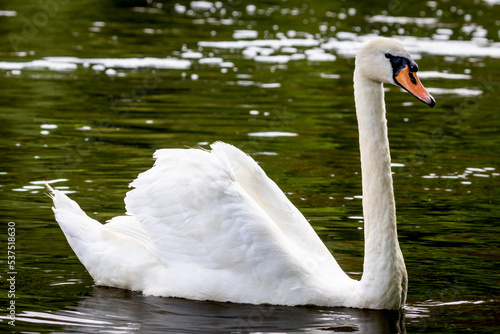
(388, 56)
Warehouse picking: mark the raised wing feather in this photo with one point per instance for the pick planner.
(279, 208)
(217, 212)
(193, 209)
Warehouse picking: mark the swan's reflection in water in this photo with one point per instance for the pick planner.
(122, 311)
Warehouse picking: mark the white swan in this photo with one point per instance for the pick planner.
(210, 225)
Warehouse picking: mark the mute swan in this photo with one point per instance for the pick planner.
(210, 225)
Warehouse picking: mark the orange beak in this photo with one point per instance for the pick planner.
(409, 81)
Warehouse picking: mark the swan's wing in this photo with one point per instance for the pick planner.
(192, 209)
(200, 212)
(278, 207)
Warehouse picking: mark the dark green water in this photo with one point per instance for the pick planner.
(145, 75)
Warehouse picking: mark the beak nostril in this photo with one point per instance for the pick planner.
(412, 78)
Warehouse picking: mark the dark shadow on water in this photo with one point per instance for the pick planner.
(120, 311)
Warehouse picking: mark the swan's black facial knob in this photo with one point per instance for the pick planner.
(398, 63)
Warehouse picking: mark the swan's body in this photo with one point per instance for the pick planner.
(210, 225)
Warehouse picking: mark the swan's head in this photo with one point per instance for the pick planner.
(385, 60)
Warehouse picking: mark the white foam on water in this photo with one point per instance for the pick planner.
(273, 43)
(441, 75)
(201, 5)
(417, 46)
(455, 91)
(98, 64)
(273, 134)
(419, 21)
(8, 13)
(245, 34)
(38, 64)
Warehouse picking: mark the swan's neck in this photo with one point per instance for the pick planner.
(384, 272)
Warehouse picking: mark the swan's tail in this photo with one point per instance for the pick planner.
(80, 230)
(115, 254)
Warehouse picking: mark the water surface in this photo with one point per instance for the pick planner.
(91, 89)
